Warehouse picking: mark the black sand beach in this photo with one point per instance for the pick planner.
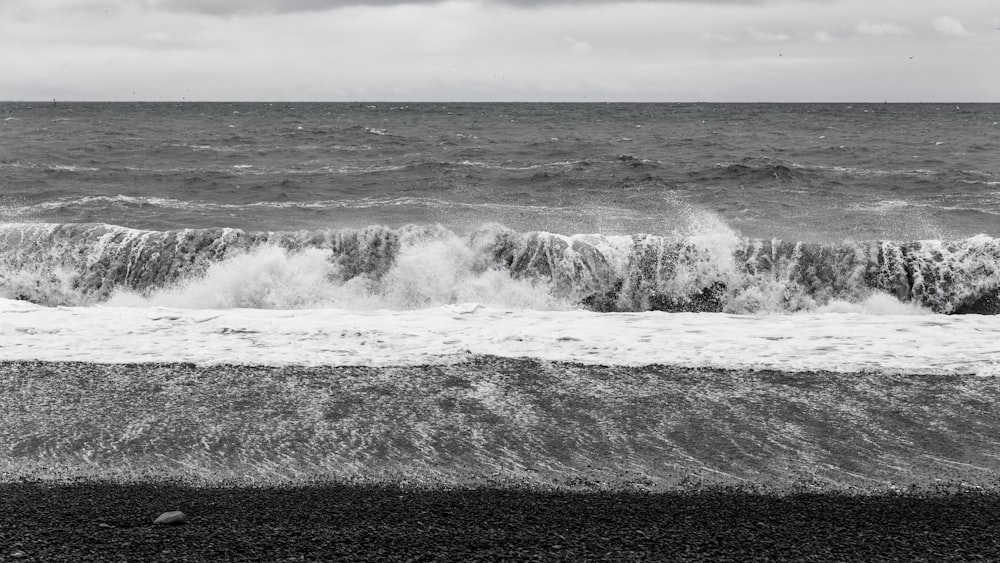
(110, 522)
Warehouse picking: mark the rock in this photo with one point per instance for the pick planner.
(18, 554)
(171, 518)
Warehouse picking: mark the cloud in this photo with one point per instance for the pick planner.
(481, 50)
(579, 47)
(767, 36)
(716, 37)
(949, 26)
(867, 28)
(232, 7)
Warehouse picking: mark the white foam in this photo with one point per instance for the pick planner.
(268, 278)
(427, 273)
(875, 304)
(842, 342)
(72, 168)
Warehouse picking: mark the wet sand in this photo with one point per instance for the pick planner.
(495, 422)
(114, 522)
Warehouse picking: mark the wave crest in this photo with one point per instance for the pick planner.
(422, 266)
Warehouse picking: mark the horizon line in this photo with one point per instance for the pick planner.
(51, 101)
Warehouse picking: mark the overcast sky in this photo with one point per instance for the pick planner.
(516, 50)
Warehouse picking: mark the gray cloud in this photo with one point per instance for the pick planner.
(481, 50)
(236, 7)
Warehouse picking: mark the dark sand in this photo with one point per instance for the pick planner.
(107, 522)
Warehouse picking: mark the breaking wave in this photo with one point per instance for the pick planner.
(425, 266)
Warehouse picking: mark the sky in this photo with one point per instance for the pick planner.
(501, 50)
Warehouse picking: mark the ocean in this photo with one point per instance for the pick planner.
(595, 296)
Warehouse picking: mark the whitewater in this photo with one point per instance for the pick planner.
(380, 297)
(850, 339)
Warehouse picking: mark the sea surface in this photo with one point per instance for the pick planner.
(644, 296)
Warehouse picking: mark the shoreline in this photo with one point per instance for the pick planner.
(495, 421)
(104, 521)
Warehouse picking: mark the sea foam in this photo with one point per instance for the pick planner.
(840, 342)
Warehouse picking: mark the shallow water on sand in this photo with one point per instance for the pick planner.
(501, 422)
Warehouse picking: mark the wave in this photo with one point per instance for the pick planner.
(755, 170)
(166, 203)
(750, 169)
(423, 266)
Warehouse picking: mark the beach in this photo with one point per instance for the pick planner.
(113, 522)
(693, 471)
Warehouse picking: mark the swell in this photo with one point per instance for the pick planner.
(750, 170)
(80, 264)
(925, 177)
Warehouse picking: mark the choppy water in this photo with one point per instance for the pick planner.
(816, 173)
(850, 244)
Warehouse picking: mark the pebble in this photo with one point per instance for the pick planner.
(173, 517)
